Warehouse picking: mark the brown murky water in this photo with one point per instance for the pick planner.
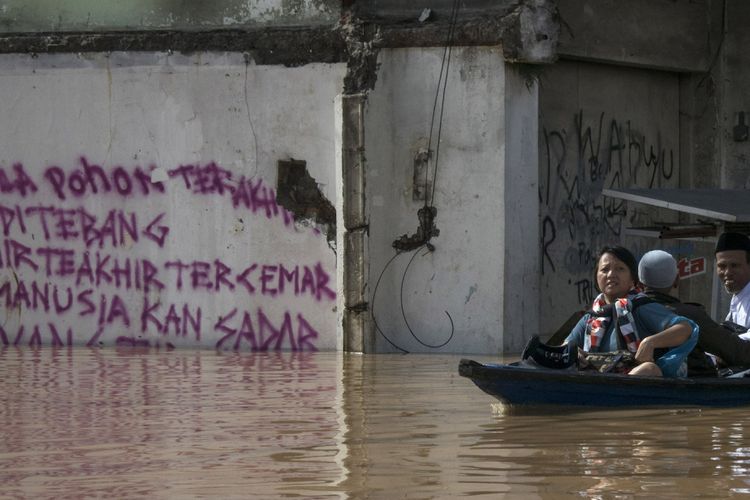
(82, 423)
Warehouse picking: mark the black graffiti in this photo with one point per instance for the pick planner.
(599, 154)
(548, 223)
(550, 140)
(580, 258)
(585, 289)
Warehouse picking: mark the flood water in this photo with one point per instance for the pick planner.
(194, 424)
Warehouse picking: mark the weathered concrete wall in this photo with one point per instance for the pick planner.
(720, 139)
(521, 264)
(732, 90)
(138, 202)
(664, 34)
(600, 127)
(399, 11)
(137, 110)
(703, 41)
(416, 294)
(526, 30)
(93, 15)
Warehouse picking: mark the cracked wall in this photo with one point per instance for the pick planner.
(96, 16)
(267, 178)
(144, 212)
(298, 192)
(418, 298)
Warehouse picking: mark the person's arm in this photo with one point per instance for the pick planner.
(654, 317)
(715, 338)
(672, 336)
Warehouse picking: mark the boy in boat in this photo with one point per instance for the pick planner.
(657, 272)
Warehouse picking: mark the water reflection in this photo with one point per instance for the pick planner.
(165, 424)
(647, 453)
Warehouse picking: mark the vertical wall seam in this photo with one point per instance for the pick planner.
(355, 224)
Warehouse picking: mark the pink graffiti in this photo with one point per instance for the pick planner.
(91, 179)
(35, 339)
(19, 181)
(207, 179)
(98, 269)
(176, 320)
(239, 330)
(116, 228)
(16, 255)
(156, 232)
(269, 280)
(34, 296)
(260, 334)
(88, 268)
(256, 197)
(211, 179)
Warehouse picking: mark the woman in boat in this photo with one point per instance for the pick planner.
(622, 318)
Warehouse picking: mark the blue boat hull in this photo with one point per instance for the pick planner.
(523, 386)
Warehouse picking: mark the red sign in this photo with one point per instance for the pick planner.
(688, 268)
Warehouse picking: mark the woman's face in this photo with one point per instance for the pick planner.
(613, 277)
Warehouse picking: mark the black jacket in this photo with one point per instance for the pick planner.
(712, 337)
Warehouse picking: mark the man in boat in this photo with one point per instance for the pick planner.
(733, 269)
(657, 272)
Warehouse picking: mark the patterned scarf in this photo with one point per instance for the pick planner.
(602, 315)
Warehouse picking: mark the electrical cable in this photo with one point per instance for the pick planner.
(372, 306)
(428, 203)
(444, 65)
(449, 46)
(403, 312)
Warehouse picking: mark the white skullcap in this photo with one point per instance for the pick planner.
(657, 269)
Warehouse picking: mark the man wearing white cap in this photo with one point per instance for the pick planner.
(657, 271)
(733, 269)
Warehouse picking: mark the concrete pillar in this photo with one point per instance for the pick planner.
(352, 232)
(521, 263)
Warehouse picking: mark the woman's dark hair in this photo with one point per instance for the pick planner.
(624, 255)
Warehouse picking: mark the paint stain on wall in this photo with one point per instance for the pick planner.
(472, 290)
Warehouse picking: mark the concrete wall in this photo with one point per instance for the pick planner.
(416, 294)
(507, 154)
(521, 292)
(138, 202)
(701, 42)
(93, 15)
(732, 91)
(432, 10)
(600, 127)
(669, 35)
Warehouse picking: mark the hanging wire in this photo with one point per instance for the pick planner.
(372, 308)
(444, 65)
(403, 312)
(428, 203)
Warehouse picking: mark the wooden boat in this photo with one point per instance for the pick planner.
(521, 386)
